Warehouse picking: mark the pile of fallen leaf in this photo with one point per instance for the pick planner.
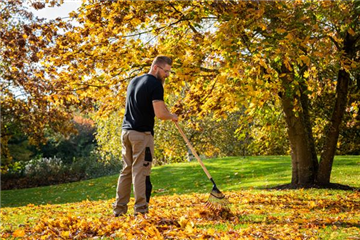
(253, 215)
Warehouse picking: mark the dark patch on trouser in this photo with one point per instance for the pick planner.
(148, 160)
(148, 188)
(148, 157)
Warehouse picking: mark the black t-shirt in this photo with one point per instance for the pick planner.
(139, 111)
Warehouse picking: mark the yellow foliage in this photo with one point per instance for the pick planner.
(226, 55)
(260, 214)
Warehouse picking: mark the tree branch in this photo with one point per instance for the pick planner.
(336, 44)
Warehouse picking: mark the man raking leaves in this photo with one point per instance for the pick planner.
(144, 101)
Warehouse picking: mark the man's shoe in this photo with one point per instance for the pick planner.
(118, 214)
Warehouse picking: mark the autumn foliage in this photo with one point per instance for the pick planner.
(266, 58)
(27, 93)
(254, 215)
(290, 68)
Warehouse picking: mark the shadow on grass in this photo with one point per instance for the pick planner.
(226, 172)
(232, 173)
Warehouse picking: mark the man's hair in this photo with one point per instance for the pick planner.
(162, 60)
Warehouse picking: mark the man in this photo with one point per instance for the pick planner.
(144, 101)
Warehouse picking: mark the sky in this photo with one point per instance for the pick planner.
(55, 12)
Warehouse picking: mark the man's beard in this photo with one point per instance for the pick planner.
(161, 79)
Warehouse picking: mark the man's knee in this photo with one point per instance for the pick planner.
(126, 170)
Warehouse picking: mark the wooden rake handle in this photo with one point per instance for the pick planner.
(193, 151)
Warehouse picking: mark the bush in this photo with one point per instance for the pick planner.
(43, 166)
(43, 171)
(92, 167)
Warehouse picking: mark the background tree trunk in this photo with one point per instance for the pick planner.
(303, 155)
(332, 135)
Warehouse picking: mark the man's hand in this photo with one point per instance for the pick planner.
(175, 118)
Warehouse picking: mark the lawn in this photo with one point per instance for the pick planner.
(83, 209)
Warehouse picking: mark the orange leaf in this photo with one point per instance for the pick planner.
(19, 233)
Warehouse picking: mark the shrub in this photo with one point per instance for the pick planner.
(43, 166)
(92, 167)
(43, 171)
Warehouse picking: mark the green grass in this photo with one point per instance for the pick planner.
(257, 211)
(230, 174)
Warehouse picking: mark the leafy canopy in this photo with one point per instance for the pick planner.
(228, 56)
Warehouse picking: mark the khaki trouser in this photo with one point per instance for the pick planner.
(137, 152)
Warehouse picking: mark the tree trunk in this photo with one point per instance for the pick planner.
(303, 154)
(332, 135)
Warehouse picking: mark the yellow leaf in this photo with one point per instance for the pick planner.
(263, 26)
(351, 32)
(312, 204)
(65, 234)
(211, 231)
(306, 74)
(280, 30)
(189, 228)
(290, 37)
(305, 59)
(183, 222)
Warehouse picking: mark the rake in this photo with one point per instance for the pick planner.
(217, 200)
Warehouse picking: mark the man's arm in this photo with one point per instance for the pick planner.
(162, 112)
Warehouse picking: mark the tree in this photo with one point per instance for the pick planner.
(292, 49)
(336, 40)
(76, 146)
(30, 103)
(228, 55)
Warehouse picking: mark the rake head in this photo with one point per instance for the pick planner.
(217, 200)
